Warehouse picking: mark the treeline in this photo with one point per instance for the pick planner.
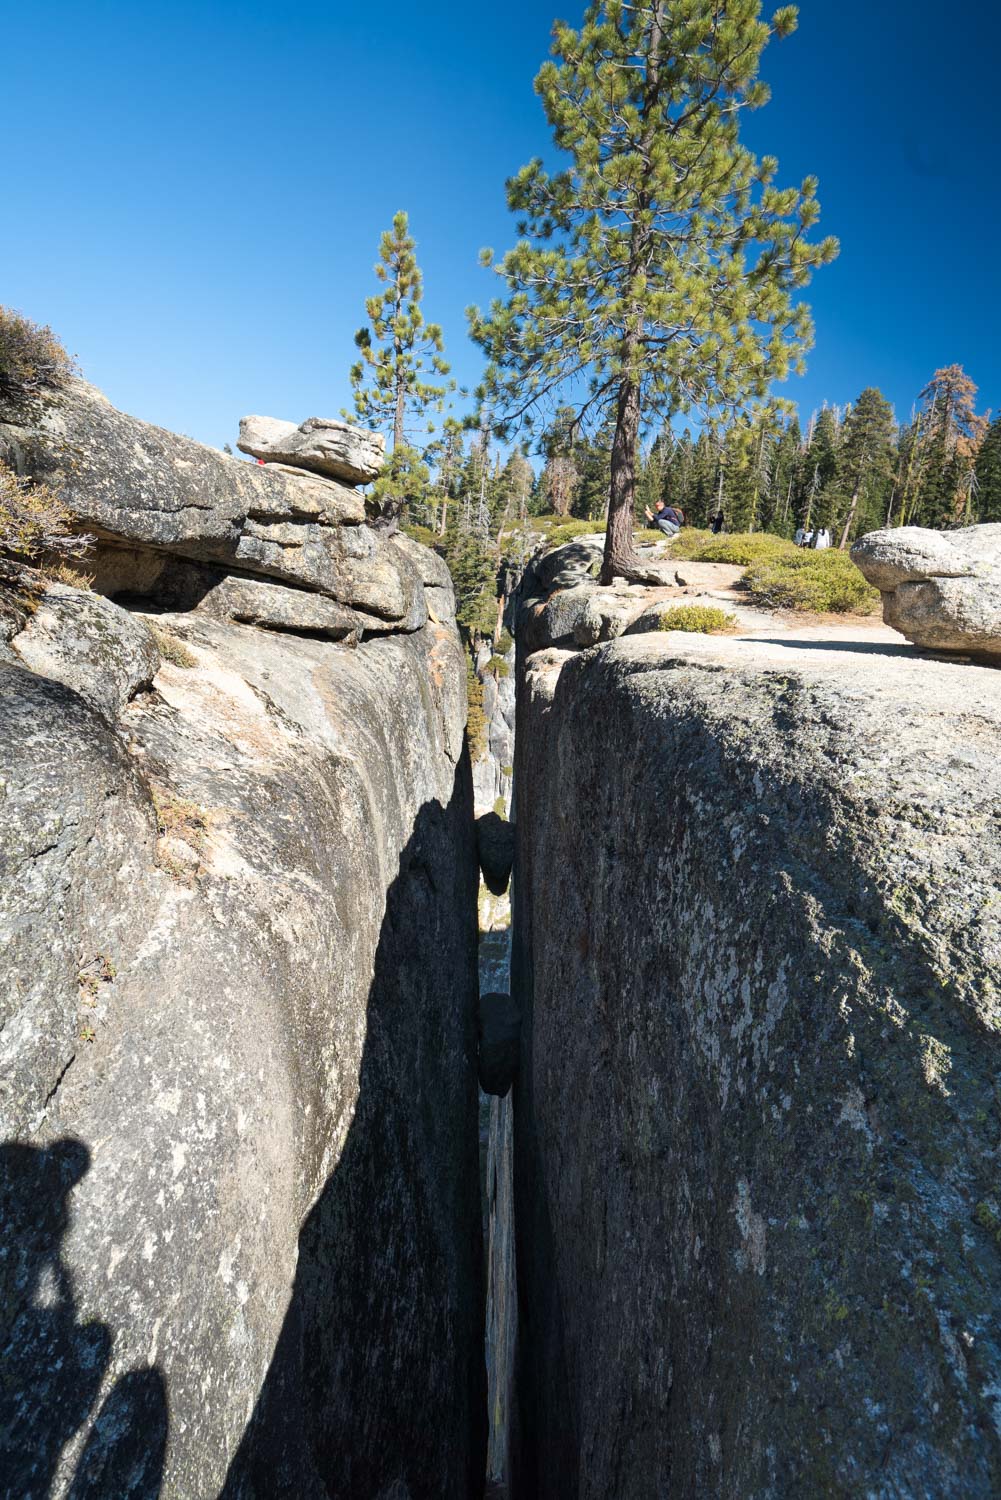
(852, 469)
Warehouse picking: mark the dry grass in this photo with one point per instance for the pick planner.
(183, 829)
(171, 647)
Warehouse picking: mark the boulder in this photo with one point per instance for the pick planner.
(495, 848)
(321, 444)
(607, 613)
(759, 1227)
(499, 1034)
(83, 641)
(256, 601)
(941, 589)
(563, 567)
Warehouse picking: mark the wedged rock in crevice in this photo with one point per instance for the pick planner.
(941, 589)
(320, 443)
(499, 1033)
(495, 840)
(756, 948)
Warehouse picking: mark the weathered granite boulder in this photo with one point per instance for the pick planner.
(941, 589)
(84, 641)
(145, 492)
(322, 444)
(756, 1114)
(499, 1033)
(237, 961)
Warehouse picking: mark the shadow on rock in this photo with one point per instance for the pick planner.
(377, 1384)
(52, 1365)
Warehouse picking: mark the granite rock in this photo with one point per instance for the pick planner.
(321, 444)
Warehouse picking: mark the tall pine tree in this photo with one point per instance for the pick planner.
(988, 474)
(662, 263)
(398, 350)
(865, 463)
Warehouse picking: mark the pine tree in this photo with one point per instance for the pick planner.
(988, 474)
(661, 264)
(559, 477)
(865, 462)
(788, 465)
(399, 346)
(950, 434)
(819, 493)
(446, 454)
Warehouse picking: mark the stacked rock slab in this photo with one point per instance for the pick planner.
(173, 517)
(941, 589)
(756, 953)
(239, 1211)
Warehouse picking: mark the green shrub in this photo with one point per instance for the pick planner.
(701, 619)
(498, 666)
(742, 549)
(825, 582)
(504, 643)
(31, 357)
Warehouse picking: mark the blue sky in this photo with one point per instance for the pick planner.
(193, 193)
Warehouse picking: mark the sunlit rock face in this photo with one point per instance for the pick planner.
(756, 955)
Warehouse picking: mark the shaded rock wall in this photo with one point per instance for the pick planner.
(241, 1248)
(757, 1123)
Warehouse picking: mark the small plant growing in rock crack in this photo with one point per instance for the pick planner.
(87, 1034)
(172, 648)
(183, 829)
(94, 972)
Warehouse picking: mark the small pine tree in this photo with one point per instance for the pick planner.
(397, 352)
(865, 463)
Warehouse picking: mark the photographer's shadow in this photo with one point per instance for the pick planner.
(51, 1365)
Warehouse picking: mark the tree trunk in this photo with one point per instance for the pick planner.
(851, 516)
(398, 416)
(851, 510)
(620, 555)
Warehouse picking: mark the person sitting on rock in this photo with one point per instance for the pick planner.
(668, 518)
